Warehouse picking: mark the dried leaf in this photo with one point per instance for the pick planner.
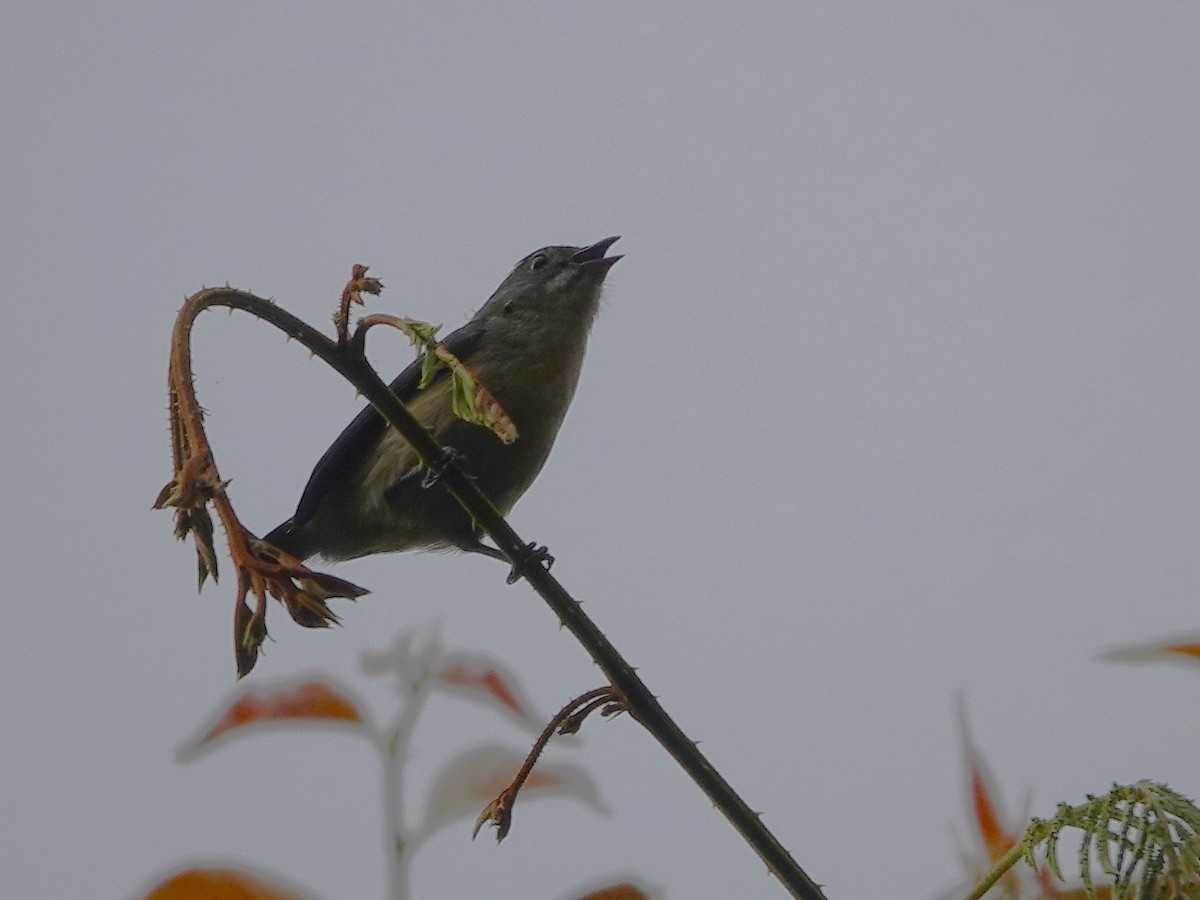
(498, 813)
(490, 414)
(302, 591)
(167, 496)
(360, 284)
(201, 526)
(194, 485)
(309, 612)
(249, 632)
(323, 586)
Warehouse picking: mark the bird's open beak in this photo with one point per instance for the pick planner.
(594, 255)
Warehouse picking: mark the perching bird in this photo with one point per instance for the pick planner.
(526, 346)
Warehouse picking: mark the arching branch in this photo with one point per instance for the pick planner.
(263, 569)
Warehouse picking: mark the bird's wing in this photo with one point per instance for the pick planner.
(348, 452)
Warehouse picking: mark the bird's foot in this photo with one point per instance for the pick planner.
(449, 457)
(538, 554)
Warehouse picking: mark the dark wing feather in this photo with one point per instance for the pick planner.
(353, 445)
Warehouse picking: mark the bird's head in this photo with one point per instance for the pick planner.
(553, 280)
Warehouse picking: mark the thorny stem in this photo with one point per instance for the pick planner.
(572, 713)
(261, 569)
(187, 419)
(608, 700)
(571, 717)
(350, 294)
(637, 698)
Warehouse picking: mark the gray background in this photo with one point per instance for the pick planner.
(893, 396)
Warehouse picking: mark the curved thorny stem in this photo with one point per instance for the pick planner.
(352, 293)
(567, 720)
(263, 569)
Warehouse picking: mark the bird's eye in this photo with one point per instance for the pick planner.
(538, 262)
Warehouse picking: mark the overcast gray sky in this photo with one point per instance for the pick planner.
(895, 394)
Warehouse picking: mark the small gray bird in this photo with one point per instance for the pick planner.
(525, 345)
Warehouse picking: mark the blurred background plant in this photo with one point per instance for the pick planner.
(419, 667)
(1135, 840)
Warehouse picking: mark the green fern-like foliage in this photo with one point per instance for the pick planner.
(1144, 835)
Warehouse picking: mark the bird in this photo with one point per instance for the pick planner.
(368, 493)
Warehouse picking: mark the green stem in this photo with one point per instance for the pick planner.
(997, 872)
(392, 744)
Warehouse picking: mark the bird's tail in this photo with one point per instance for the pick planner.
(290, 540)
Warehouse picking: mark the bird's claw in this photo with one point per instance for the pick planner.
(538, 554)
(450, 457)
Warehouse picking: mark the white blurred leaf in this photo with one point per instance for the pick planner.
(473, 779)
(411, 658)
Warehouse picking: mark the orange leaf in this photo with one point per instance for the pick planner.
(487, 680)
(484, 679)
(995, 838)
(1180, 649)
(617, 892)
(311, 700)
(1184, 649)
(985, 799)
(218, 884)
